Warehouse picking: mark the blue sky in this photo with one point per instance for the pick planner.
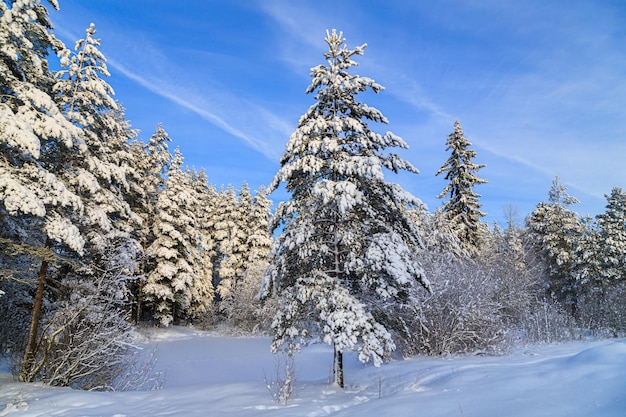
(538, 85)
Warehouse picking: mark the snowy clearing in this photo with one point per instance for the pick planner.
(210, 375)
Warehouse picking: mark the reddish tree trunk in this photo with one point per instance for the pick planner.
(31, 348)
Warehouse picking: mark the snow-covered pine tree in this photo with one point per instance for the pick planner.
(95, 285)
(259, 241)
(587, 259)
(230, 233)
(98, 174)
(152, 163)
(346, 248)
(612, 226)
(600, 267)
(462, 210)
(202, 292)
(438, 236)
(88, 102)
(554, 231)
(36, 208)
(33, 131)
(600, 257)
(169, 282)
(241, 306)
(514, 247)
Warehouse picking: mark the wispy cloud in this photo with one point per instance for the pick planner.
(198, 105)
(134, 55)
(303, 28)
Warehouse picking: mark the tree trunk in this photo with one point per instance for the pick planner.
(139, 301)
(31, 348)
(338, 367)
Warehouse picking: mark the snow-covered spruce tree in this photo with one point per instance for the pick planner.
(612, 226)
(169, 282)
(202, 292)
(94, 286)
(259, 241)
(33, 130)
(152, 163)
(346, 248)
(36, 208)
(231, 229)
(554, 230)
(241, 306)
(600, 268)
(588, 259)
(462, 210)
(99, 173)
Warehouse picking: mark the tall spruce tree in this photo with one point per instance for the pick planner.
(588, 258)
(554, 231)
(169, 282)
(37, 210)
(98, 174)
(153, 162)
(346, 248)
(259, 241)
(34, 133)
(462, 210)
(230, 234)
(202, 292)
(600, 258)
(612, 225)
(241, 305)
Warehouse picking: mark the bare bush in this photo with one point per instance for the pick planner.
(547, 322)
(462, 314)
(243, 309)
(483, 306)
(281, 385)
(602, 310)
(87, 342)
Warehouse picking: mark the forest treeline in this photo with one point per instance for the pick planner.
(101, 231)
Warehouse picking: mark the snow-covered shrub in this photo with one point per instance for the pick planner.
(483, 304)
(461, 315)
(242, 308)
(547, 321)
(602, 310)
(86, 340)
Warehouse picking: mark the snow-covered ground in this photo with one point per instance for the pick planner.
(209, 375)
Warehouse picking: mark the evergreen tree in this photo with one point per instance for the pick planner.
(241, 305)
(346, 247)
(98, 174)
(554, 231)
(259, 241)
(587, 259)
(600, 267)
(230, 234)
(514, 247)
(152, 163)
(462, 210)
(37, 210)
(169, 282)
(612, 226)
(202, 292)
(33, 131)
